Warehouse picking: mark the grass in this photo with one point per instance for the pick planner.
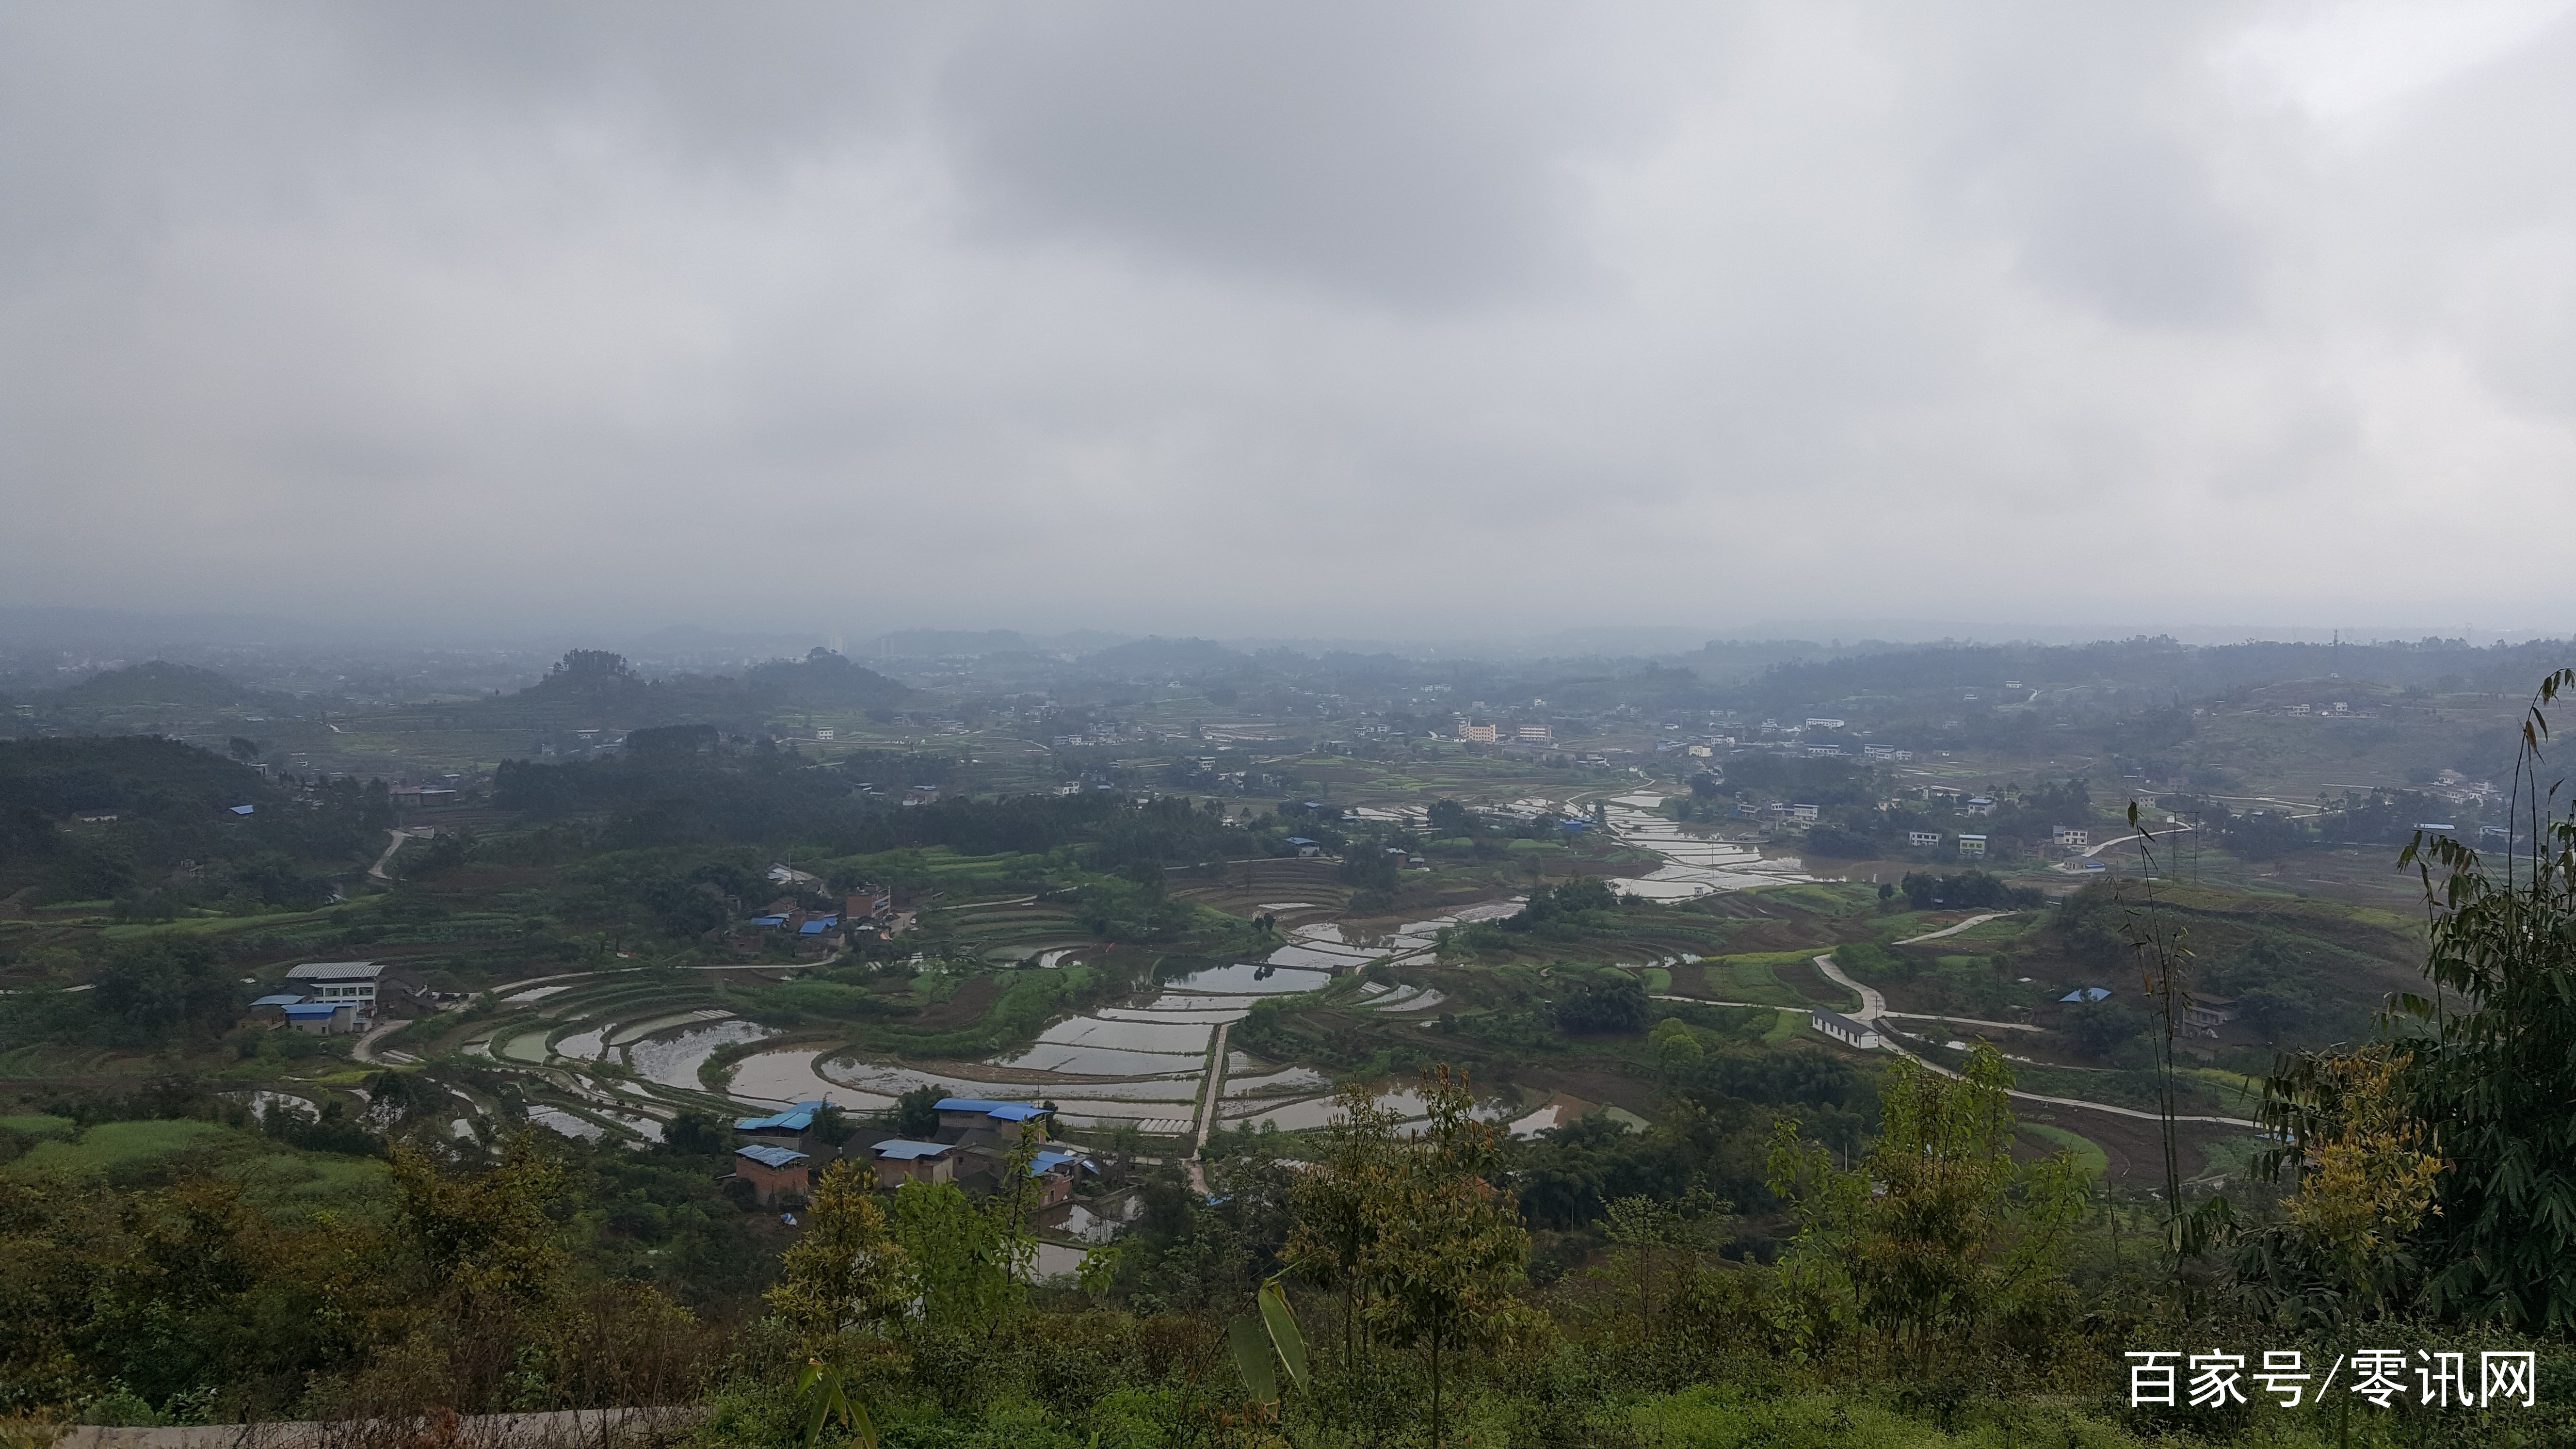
(1714, 1416)
(124, 1149)
(40, 1126)
(2089, 1156)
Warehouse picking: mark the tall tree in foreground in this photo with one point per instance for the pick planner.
(1445, 1247)
(847, 1271)
(1937, 1232)
(2491, 1058)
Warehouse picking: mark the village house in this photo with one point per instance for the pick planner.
(792, 1128)
(1008, 1120)
(376, 988)
(900, 1160)
(1972, 845)
(773, 1172)
(1845, 1030)
(1057, 1171)
(2206, 1014)
(1923, 839)
(323, 1018)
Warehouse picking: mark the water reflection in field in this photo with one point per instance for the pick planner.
(1142, 1036)
(674, 1060)
(1695, 865)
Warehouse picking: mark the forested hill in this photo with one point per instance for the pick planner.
(592, 688)
(130, 817)
(684, 787)
(157, 686)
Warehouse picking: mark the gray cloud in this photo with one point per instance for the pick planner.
(1285, 318)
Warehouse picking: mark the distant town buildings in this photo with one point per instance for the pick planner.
(1475, 733)
(1972, 845)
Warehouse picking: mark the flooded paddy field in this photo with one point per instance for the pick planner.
(620, 1048)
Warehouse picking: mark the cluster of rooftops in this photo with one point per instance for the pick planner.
(974, 1134)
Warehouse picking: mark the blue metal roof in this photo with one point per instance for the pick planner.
(769, 920)
(1006, 1111)
(283, 998)
(2086, 993)
(243, 809)
(1051, 1159)
(794, 1119)
(313, 1010)
(768, 1156)
(813, 928)
(898, 1149)
(1299, 840)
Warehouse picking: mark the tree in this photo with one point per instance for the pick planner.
(1449, 819)
(1606, 1001)
(970, 1261)
(1674, 1042)
(847, 1271)
(1639, 1225)
(2492, 1059)
(486, 1239)
(1334, 1208)
(1445, 1246)
(1937, 1231)
(2365, 1181)
(916, 1112)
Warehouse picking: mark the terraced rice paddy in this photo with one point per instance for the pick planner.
(619, 1052)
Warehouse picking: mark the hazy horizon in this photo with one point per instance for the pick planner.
(1449, 321)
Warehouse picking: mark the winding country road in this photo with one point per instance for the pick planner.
(1969, 923)
(1873, 1006)
(1873, 1002)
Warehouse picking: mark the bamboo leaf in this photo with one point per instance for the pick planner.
(1285, 1335)
(1252, 1359)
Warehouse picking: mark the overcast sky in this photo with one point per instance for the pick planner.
(1291, 318)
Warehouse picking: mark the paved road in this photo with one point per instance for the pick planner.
(1874, 1005)
(1970, 922)
(2130, 837)
(1873, 1002)
(364, 1048)
(1960, 1020)
(1705, 1001)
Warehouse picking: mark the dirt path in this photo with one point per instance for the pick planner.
(1209, 1101)
(399, 836)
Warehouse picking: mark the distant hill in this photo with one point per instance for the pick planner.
(592, 688)
(820, 680)
(1159, 655)
(161, 685)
